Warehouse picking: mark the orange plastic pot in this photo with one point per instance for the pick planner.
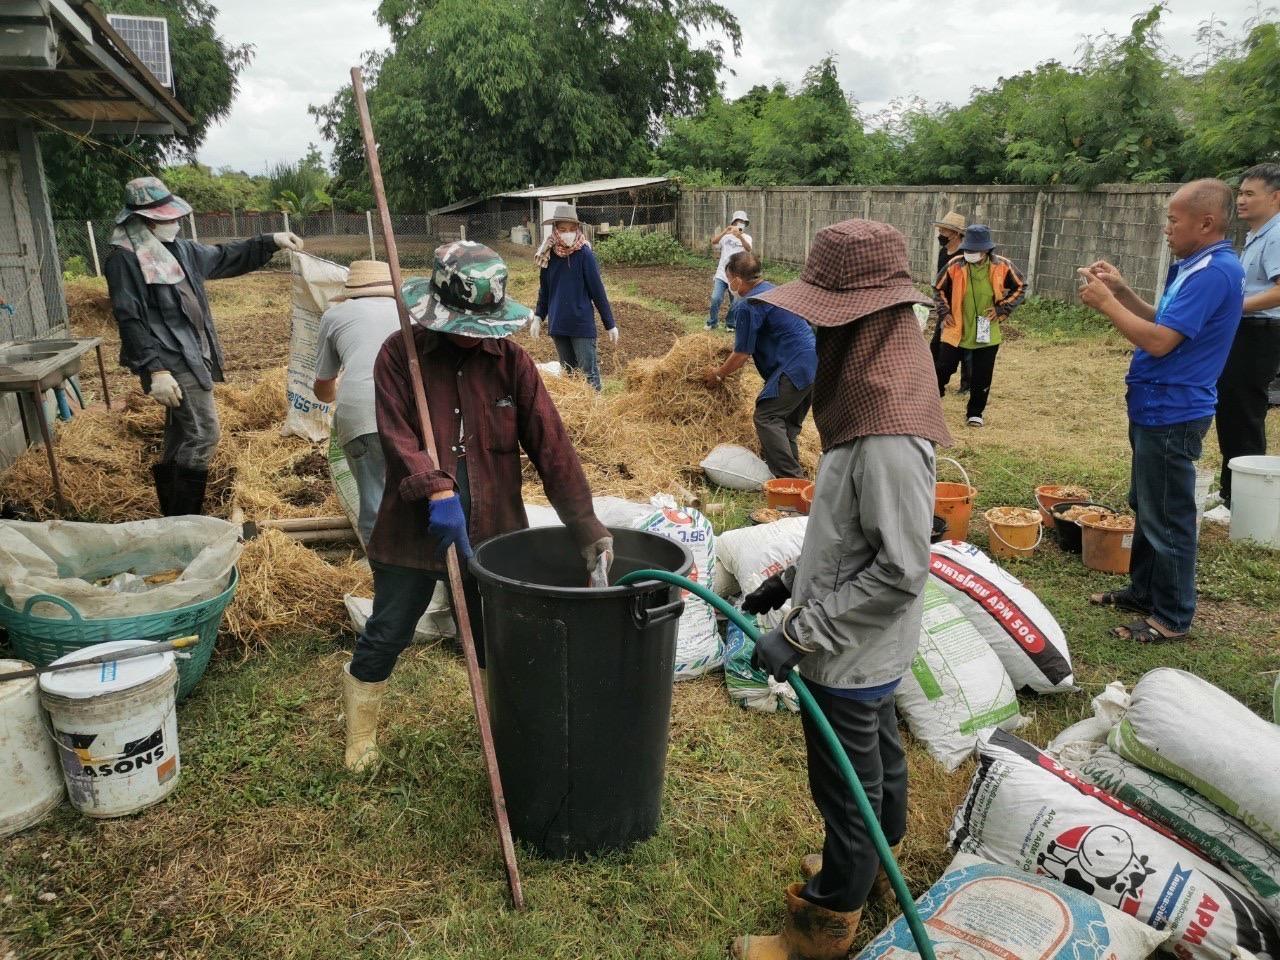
(806, 497)
(786, 493)
(953, 502)
(1014, 538)
(1049, 495)
(1105, 549)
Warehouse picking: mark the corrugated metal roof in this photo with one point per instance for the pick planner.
(567, 190)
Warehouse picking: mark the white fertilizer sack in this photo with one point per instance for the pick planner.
(1187, 729)
(751, 555)
(735, 467)
(980, 910)
(956, 687)
(1026, 810)
(1020, 629)
(437, 622)
(315, 283)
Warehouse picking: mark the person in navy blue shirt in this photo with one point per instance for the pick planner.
(1182, 345)
(783, 348)
(570, 292)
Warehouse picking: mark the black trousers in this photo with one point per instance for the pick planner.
(1242, 394)
(868, 731)
(966, 362)
(984, 366)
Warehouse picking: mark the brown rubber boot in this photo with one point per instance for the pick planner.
(810, 932)
(360, 703)
(811, 864)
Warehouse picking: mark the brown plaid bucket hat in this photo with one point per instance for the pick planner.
(854, 268)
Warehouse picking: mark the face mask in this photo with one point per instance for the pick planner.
(168, 232)
(974, 256)
(567, 237)
(942, 240)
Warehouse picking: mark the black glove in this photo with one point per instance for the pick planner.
(770, 595)
(775, 654)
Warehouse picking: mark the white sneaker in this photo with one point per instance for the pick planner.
(974, 421)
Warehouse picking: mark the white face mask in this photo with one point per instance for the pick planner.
(974, 256)
(167, 232)
(567, 237)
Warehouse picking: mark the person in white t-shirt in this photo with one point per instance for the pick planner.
(728, 240)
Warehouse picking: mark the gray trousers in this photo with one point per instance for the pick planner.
(369, 467)
(191, 429)
(779, 421)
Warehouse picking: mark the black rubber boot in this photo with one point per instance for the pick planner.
(163, 474)
(188, 499)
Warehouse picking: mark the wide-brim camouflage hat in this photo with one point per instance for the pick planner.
(466, 294)
(149, 197)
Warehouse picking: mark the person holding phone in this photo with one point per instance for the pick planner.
(728, 241)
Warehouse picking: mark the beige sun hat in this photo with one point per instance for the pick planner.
(562, 211)
(367, 278)
(953, 221)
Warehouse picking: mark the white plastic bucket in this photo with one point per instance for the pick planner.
(1204, 479)
(30, 782)
(1255, 500)
(117, 729)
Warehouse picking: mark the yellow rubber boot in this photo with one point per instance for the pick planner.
(811, 865)
(360, 703)
(810, 932)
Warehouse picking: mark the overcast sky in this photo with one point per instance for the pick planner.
(889, 49)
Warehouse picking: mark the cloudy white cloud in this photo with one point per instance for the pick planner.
(886, 50)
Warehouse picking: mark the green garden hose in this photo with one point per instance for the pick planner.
(814, 712)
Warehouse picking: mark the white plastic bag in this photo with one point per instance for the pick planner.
(1020, 629)
(1184, 727)
(979, 910)
(735, 467)
(956, 687)
(1026, 810)
(68, 560)
(315, 283)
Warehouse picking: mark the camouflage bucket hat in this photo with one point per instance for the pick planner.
(149, 197)
(466, 294)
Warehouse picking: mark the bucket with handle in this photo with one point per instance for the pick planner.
(116, 728)
(953, 502)
(30, 780)
(1106, 542)
(1255, 500)
(1049, 495)
(1015, 532)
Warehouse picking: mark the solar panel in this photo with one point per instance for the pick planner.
(148, 37)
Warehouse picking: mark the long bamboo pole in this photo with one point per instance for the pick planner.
(465, 635)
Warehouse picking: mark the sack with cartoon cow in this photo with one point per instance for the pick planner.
(1025, 810)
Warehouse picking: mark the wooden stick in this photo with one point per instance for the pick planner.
(291, 524)
(465, 636)
(320, 536)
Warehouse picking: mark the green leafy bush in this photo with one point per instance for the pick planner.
(639, 248)
(73, 267)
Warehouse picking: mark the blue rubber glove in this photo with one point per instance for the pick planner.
(447, 525)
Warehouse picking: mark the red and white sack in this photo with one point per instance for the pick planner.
(980, 910)
(1020, 629)
(751, 555)
(1183, 726)
(1026, 810)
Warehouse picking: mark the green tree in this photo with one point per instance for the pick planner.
(1237, 122)
(85, 179)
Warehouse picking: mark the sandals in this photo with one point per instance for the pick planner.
(1120, 599)
(1141, 631)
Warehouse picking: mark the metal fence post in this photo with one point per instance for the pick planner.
(368, 219)
(808, 221)
(1037, 228)
(235, 229)
(93, 248)
(866, 204)
(195, 234)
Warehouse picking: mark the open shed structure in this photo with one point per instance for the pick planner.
(62, 68)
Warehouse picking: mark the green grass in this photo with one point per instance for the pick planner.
(1058, 321)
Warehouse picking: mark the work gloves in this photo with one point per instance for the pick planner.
(602, 549)
(770, 595)
(613, 335)
(535, 328)
(776, 653)
(286, 240)
(447, 525)
(165, 390)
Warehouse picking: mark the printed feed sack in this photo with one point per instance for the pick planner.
(315, 283)
(956, 686)
(1026, 810)
(1186, 728)
(1224, 839)
(751, 555)
(980, 910)
(751, 688)
(1020, 629)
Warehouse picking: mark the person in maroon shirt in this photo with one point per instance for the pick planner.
(486, 401)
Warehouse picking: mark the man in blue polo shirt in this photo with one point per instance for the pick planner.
(782, 346)
(1255, 355)
(1182, 346)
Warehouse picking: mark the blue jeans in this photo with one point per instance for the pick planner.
(718, 291)
(364, 457)
(579, 353)
(1162, 494)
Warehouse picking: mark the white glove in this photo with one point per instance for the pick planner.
(165, 390)
(613, 335)
(535, 328)
(287, 240)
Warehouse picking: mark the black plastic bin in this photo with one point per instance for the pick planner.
(579, 686)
